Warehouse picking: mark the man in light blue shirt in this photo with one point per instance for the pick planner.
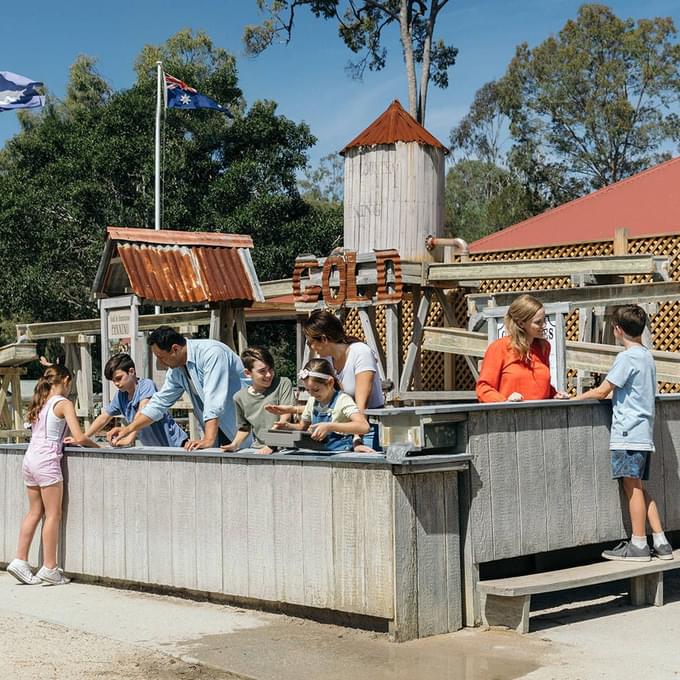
(208, 371)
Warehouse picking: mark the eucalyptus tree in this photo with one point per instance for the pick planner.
(362, 26)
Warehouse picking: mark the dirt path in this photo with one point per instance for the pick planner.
(36, 650)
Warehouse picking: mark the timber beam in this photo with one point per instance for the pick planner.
(147, 322)
(467, 273)
(586, 356)
(587, 296)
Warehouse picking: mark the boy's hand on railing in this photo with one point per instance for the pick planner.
(280, 425)
(113, 435)
(561, 394)
(126, 441)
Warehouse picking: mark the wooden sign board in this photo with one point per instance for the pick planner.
(348, 279)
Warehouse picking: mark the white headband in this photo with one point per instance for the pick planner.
(306, 373)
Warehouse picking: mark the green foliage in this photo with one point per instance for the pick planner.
(361, 26)
(279, 339)
(593, 104)
(325, 183)
(482, 198)
(88, 162)
(590, 106)
(482, 131)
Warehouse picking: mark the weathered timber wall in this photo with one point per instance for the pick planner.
(354, 538)
(541, 478)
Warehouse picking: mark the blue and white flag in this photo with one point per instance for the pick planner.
(17, 92)
(178, 95)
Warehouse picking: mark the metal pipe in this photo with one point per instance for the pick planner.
(431, 242)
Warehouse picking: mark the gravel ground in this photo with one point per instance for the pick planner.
(36, 650)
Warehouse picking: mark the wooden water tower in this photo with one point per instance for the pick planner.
(394, 186)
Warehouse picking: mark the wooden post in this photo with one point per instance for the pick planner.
(367, 318)
(241, 332)
(621, 245)
(222, 324)
(301, 347)
(413, 354)
(586, 330)
(392, 337)
(11, 420)
(620, 241)
(560, 352)
(78, 351)
(449, 360)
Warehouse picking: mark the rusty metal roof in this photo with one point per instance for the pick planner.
(395, 125)
(180, 267)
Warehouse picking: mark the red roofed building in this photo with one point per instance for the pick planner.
(646, 204)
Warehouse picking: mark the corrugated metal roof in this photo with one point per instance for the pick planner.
(178, 266)
(646, 204)
(395, 125)
(180, 238)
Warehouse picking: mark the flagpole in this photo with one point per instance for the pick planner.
(157, 159)
(157, 163)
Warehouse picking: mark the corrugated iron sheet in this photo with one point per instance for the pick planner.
(182, 274)
(178, 266)
(395, 125)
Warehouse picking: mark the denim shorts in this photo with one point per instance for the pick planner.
(629, 463)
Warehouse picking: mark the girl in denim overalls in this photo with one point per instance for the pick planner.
(50, 414)
(330, 416)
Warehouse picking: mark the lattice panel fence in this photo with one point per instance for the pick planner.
(432, 364)
(665, 323)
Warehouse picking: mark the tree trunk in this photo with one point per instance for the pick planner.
(427, 54)
(407, 44)
(425, 74)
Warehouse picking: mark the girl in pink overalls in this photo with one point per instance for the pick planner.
(50, 413)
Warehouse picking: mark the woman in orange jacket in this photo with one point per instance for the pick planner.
(517, 367)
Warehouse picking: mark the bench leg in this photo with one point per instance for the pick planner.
(647, 590)
(512, 612)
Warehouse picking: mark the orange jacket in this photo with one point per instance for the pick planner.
(503, 372)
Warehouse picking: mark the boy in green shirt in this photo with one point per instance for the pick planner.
(250, 402)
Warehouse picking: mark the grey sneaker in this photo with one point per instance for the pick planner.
(21, 570)
(52, 577)
(628, 552)
(663, 552)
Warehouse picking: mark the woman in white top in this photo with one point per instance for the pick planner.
(354, 362)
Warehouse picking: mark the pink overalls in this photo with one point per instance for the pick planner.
(42, 461)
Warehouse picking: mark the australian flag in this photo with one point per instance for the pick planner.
(17, 92)
(178, 95)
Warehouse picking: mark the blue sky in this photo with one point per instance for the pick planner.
(307, 77)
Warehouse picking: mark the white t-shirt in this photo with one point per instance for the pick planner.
(360, 358)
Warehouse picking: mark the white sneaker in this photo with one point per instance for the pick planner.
(52, 577)
(21, 570)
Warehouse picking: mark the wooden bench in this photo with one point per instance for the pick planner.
(506, 601)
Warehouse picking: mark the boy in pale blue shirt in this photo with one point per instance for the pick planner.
(632, 379)
(132, 395)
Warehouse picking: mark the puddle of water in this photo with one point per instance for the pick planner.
(304, 651)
